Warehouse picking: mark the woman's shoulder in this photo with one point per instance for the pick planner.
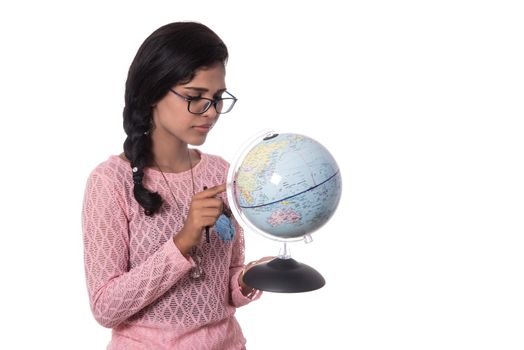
(110, 182)
(116, 167)
(213, 160)
(214, 166)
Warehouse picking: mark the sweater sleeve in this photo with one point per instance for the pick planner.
(115, 291)
(237, 264)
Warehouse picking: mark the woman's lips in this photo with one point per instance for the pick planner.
(203, 128)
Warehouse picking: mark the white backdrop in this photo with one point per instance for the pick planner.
(420, 102)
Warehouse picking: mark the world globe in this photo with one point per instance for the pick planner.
(284, 187)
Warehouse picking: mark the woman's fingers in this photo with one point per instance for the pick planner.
(211, 192)
(265, 259)
(209, 214)
(209, 203)
(205, 209)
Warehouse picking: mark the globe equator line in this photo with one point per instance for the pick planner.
(289, 197)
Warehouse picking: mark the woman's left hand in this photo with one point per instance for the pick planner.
(245, 288)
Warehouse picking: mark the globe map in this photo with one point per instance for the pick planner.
(286, 186)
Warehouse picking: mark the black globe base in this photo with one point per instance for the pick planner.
(284, 276)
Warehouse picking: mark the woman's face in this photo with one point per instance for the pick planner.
(171, 117)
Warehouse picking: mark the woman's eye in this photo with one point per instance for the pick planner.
(194, 97)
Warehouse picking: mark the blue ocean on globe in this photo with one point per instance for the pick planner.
(287, 185)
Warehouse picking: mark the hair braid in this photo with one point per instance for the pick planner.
(137, 148)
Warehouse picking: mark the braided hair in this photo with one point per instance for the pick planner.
(171, 55)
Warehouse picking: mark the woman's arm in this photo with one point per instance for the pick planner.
(115, 291)
(241, 294)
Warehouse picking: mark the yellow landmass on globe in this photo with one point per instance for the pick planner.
(254, 163)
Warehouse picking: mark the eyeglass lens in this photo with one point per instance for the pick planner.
(222, 105)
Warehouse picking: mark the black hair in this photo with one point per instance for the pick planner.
(171, 55)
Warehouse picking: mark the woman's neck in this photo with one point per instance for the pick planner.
(173, 160)
(170, 154)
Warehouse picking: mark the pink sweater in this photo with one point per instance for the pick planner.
(137, 279)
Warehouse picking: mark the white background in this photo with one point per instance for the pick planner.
(420, 102)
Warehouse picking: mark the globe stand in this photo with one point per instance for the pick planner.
(284, 275)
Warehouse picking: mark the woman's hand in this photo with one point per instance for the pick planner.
(246, 290)
(204, 211)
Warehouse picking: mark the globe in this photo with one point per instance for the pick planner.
(285, 186)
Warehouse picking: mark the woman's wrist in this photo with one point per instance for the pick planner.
(182, 245)
(244, 288)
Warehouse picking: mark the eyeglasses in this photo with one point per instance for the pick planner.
(200, 105)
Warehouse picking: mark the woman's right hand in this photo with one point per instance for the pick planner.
(204, 211)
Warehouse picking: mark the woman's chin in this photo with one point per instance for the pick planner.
(196, 141)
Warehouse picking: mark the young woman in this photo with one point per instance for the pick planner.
(164, 258)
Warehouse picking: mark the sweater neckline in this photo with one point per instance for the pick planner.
(157, 174)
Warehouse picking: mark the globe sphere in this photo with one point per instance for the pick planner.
(284, 186)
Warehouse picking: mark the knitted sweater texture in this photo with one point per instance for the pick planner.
(138, 281)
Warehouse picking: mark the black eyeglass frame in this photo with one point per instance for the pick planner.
(209, 104)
